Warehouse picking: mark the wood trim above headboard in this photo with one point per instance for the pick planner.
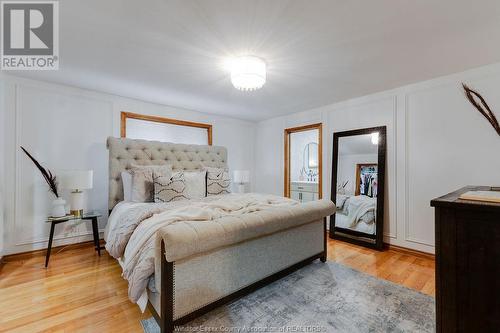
(157, 119)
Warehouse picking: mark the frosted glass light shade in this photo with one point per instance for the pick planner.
(77, 179)
(375, 138)
(248, 73)
(241, 176)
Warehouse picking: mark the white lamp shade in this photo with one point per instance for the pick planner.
(241, 176)
(77, 179)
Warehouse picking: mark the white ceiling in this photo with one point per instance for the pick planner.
(318, 52)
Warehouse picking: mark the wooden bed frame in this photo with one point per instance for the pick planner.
(165, 318)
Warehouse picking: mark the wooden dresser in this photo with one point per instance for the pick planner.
(467, 264)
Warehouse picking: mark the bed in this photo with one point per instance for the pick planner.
(184, 258)
(356, 213)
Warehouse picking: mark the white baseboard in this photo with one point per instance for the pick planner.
(56, 242)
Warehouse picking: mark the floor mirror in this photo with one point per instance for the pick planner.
(358, 182)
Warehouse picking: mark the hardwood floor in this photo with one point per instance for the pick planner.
(78, 292)
(410, 270)
(81, 292)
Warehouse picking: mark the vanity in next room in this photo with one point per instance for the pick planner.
(304, 191)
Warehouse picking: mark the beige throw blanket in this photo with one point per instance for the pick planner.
(132, 238)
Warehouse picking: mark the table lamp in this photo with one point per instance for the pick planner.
(241, 177)
(77, 180)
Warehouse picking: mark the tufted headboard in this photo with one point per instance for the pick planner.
(123, 152)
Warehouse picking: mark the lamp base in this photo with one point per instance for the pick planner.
(76, 213)
(76, 203)
(241, 188)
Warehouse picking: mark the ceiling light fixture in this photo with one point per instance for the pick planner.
(247, 72)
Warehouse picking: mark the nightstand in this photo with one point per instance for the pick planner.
(92, 216)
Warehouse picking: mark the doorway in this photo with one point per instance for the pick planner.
(303, 163)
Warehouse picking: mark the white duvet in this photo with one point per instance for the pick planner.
(359, 207)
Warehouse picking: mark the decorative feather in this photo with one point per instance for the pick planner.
(47, 175)
(488, 114)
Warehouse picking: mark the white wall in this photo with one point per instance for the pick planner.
(66, 128)
(436, 142)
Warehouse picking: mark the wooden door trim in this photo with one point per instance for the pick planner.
(157, 119)
(287, 132)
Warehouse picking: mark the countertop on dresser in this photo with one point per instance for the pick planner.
(453, 200)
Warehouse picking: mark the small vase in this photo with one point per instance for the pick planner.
(58, 207)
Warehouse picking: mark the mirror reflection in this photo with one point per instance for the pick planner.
(357, 184)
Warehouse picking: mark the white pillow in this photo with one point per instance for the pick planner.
(127, 185)
(196, 186)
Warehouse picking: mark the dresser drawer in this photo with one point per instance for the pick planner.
(304, 187)
(304, 196)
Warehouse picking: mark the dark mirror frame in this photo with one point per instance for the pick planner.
(357, 237)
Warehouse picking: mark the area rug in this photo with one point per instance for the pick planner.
(321, 297)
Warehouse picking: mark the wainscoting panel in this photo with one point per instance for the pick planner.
(379, 112)
(63, 132)
(448, 145)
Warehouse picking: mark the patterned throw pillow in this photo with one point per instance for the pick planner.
(170, 188)
(182, 185)
(218, 181)
(142, 181)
